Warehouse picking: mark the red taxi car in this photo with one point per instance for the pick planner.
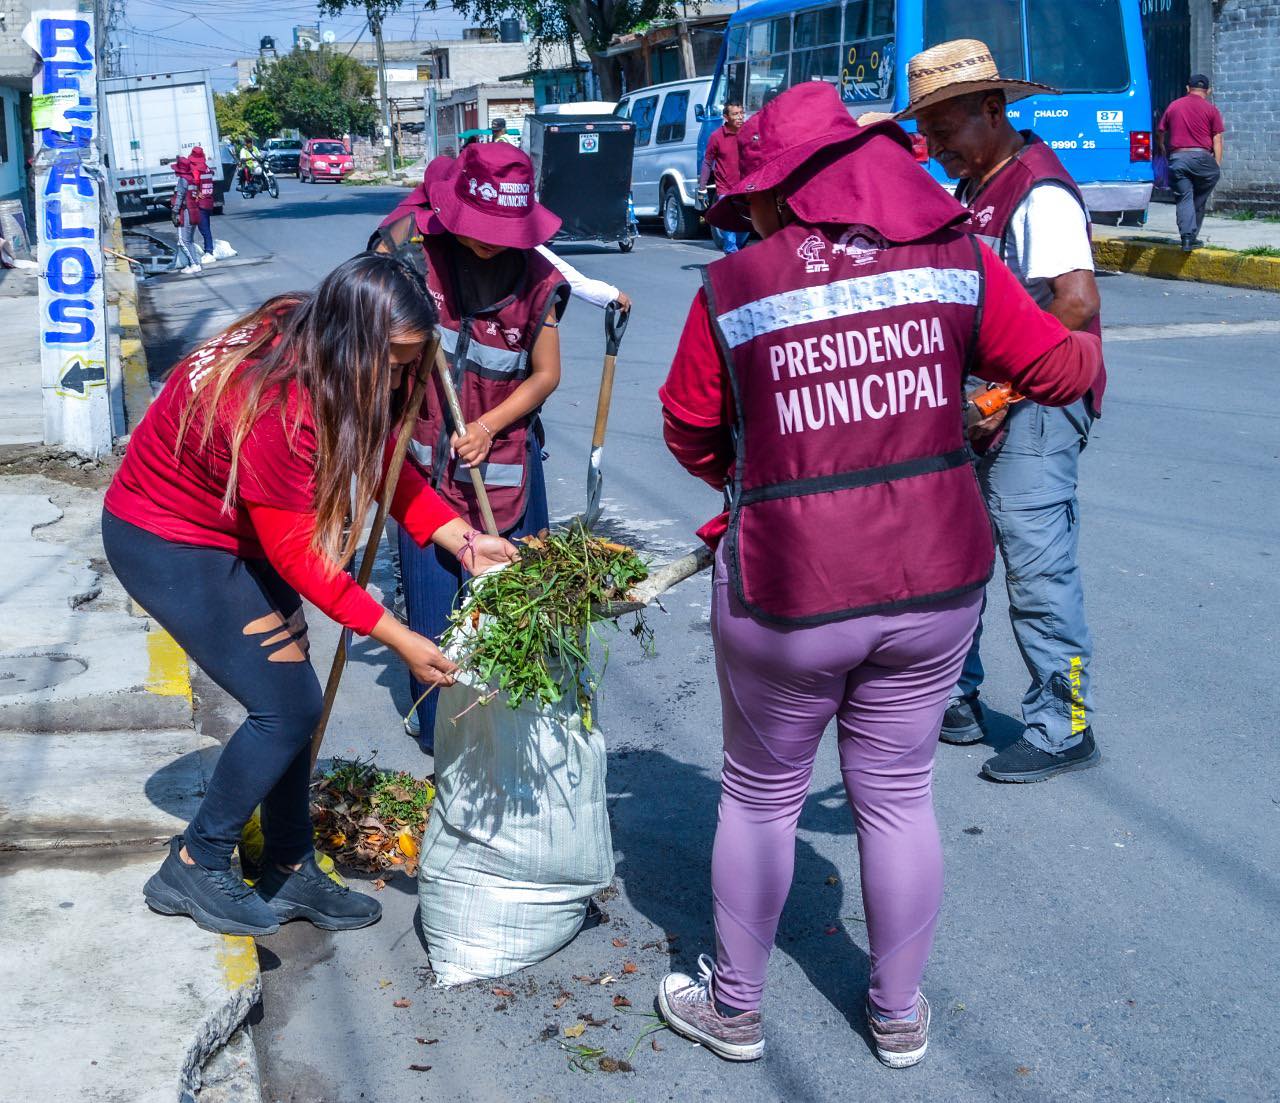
(324, 159)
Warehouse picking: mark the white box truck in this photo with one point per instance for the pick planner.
(149, 121)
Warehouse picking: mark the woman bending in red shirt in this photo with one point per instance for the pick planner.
(231, 505)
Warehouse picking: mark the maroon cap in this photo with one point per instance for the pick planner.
(838, 172)
(488, 195)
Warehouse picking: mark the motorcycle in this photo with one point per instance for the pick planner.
(261, 179)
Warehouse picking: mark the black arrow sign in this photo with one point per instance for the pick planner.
(79, 374)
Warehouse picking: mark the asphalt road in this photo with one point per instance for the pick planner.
(1109, 935)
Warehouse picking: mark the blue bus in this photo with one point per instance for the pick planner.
(1091, 50)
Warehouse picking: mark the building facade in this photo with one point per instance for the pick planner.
(1236, 44)
(17, 66)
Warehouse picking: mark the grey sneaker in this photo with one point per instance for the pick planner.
(689, 1009)
(962, 722)
(900, 1043)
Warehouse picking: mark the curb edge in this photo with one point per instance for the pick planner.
(1168, 262)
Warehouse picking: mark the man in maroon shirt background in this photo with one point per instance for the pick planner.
(721, 161)
(1190, 132)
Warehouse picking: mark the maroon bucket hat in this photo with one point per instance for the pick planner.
(488, 195)
(780, 137)
(839, 172)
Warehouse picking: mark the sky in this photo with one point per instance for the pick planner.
(160, 36)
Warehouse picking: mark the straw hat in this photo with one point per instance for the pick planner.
(958, 68)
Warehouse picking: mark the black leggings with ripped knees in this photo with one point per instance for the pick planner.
(244, 626)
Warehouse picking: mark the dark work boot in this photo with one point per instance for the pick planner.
(1188, 242)
(962, 722)
(217, 900)
(308, 893)
(1025, 761)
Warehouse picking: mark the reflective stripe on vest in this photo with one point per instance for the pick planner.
(493, 474)
(844, 298)
(421, 452)
(486, 361)
(853, 491)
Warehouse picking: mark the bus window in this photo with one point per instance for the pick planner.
(998, 23)
(642, 115)
(675, 108)
(866, 64)
(772, 37)
(766, 77)
(1096, 60)
(816, 46)
(731, 85)
(820, 27)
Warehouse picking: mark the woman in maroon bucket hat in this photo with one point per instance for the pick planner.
(818, 381)
(500, 304)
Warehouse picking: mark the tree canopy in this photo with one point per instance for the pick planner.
(245, 112)
(320, 92)
(594, 22)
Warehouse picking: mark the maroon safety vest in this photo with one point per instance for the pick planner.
(994, 203)
(853, 491)
(488, 354)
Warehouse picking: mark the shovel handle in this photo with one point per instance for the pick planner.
(615, 325)
(455, 411)
(603, 401)
(371, 549)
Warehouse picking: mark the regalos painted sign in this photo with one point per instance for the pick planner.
(72, 319)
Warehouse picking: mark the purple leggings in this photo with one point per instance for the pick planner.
(886, 680)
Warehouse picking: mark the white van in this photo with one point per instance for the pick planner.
(664, 173)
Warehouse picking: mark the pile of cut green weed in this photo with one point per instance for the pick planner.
(528, 629)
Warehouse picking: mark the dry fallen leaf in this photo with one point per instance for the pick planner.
(379, 885)
(384, 984)
(654, 1043)
(419, 1068)
(1023, 1070)
(561, 1000)
(621, 1001)
(402, 1002)
(619, 943)
(503, 993)
(426, 1041)
(591, 1020)
(408, 844)
(575, 1031)
(629, 967)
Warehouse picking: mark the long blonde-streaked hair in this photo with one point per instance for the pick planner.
(335, 345)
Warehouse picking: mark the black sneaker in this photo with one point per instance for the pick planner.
(309, 893)
(1188, 242)
(962, 722)
(217, 900)
(1026, 762)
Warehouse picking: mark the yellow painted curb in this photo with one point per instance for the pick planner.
(238, 960)
(167, 674)
(1205, 265)
(137, 381)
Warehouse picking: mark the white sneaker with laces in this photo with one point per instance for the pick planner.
(412, 726)
(208, 258)
(689, 1008)
(192, 270)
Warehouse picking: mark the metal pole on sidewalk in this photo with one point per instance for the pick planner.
(375, 25)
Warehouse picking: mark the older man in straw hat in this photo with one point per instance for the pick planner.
(1028, 209)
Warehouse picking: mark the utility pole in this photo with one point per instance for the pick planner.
(375, 13)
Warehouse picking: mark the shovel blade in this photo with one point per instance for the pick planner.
(595, 488)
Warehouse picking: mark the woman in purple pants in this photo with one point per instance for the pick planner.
(819, 381)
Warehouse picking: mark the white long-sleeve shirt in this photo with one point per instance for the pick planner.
(596, 292)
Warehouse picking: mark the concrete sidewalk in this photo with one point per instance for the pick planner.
(100, 764)
(1155, 250)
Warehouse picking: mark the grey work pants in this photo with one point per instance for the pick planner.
(1030, 488)
(1193, 174)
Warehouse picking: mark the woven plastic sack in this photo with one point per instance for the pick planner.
(518, 838)
(222, 250)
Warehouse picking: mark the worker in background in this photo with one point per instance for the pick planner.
(720, 163)
(819, 380)
(1027, 208)
(498, 132)
(1190, 133)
